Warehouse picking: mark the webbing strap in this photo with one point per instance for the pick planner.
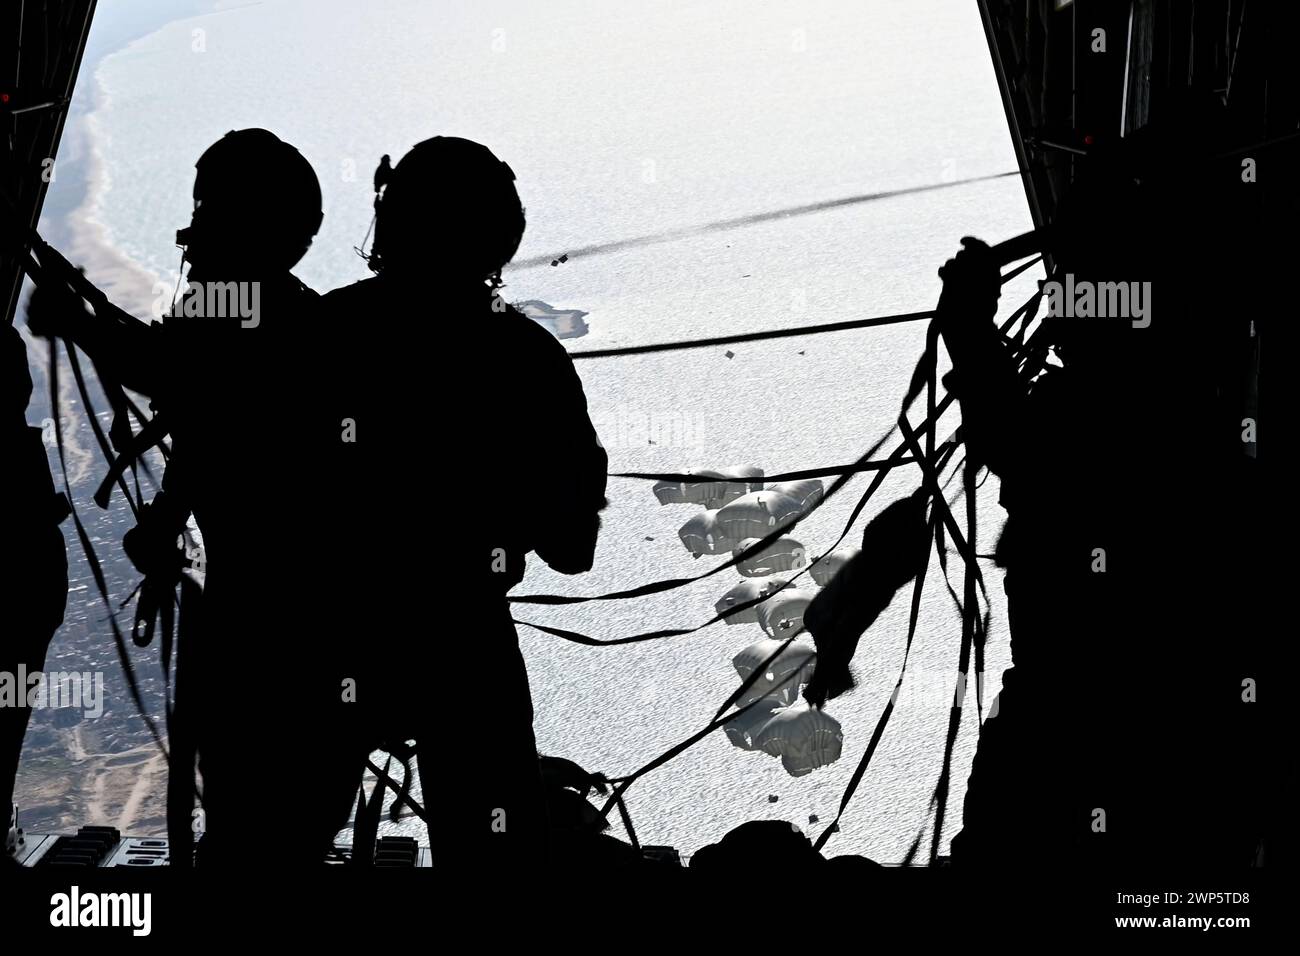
(752, 336)
(96, 570)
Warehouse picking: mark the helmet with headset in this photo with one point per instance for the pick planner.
(450, 203)
(256, 200)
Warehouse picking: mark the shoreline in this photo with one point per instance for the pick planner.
(70, 218)
(127, 283)
(64, 780)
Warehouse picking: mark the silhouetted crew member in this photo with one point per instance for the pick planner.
(1120, 735)
(34, 588)
(234, 371)
(472, 446)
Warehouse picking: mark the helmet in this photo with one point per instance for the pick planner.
(450, 201)
(255, 197)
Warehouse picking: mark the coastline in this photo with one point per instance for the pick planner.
(69, 220)
(74, 776)
(78, 230)
(85, 240)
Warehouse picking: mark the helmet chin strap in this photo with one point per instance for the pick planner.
(383, 176)
(180, 270)
(361, 249)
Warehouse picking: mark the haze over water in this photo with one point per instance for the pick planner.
(623, 121)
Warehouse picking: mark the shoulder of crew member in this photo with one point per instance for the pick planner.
(342, 314)
(546, 358)
(524, 331)
(303, 288)
(359, 293)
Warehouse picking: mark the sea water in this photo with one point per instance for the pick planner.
(623, 121)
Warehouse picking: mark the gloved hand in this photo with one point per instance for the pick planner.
(151, 544)
(972, 283)
(54, 309)
(559, 772)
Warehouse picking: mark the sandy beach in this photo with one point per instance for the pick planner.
(96, 772)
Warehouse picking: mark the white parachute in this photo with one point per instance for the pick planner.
(739, 512)
(795, 658)
(782, 614)
(703, 535)
(783, 554)
(778, 723)
(807, 492)
(713, 491)
(749, 589)
(804, 737)
(758, 514)
(829, 565)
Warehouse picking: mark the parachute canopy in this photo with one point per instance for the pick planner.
(804, 737)
(738, 513)
(702, 535)
(779, 723)
(749, 589)
(743, 731)
(782, 614)
(757, 514)
(783, 554)
(712, 491)
(796, 657)
(829, 565)
(807, 492)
